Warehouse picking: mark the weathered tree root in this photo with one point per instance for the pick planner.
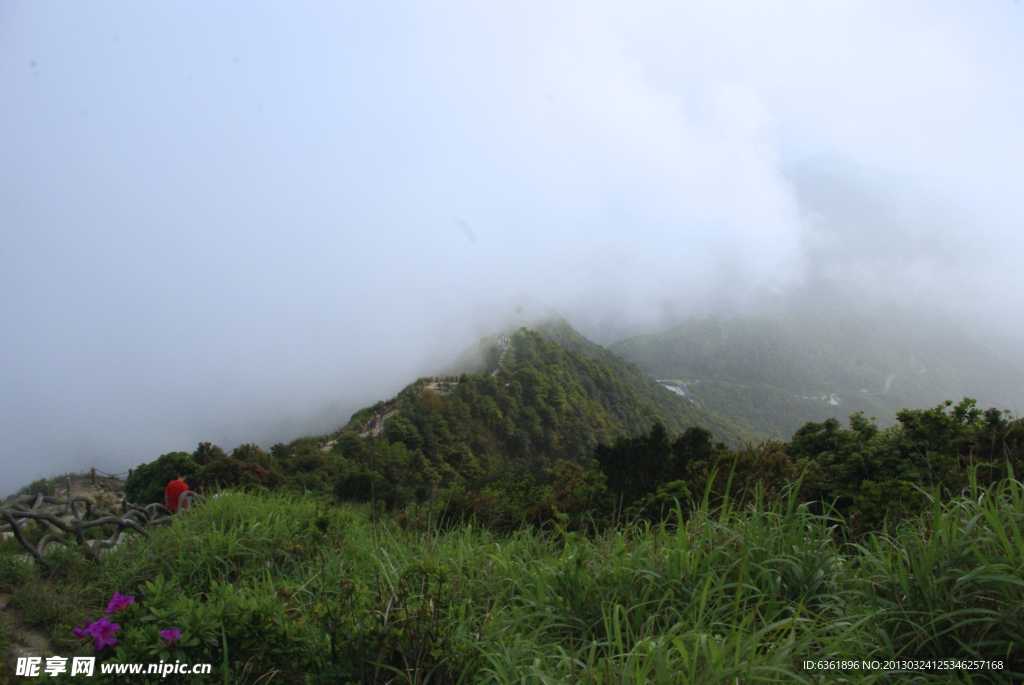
(67, 519)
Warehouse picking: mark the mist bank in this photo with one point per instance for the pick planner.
(265, 364)
(242, 224)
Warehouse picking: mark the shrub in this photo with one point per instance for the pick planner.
(36, 487)
(658, 506)
(237, 629)
(222, 472)
(146, 484)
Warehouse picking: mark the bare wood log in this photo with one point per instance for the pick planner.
(47, 539)
(109, 542)
(187, 496)
(36, 516)
(68, 518)
(34, 501)
(139, 515)
(159, 508)
(89, 552)
(112, 541)
(24, 543)
(107, 520)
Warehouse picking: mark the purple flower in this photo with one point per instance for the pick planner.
(268, 564)
(83, 631)
(119, 602)
(103, 630)
(170, 635)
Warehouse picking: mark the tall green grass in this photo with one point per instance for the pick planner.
(723, 594)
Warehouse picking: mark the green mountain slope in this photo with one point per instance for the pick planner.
(555, 397)
(675, 411)
(533, 423)
(511, 443)
(772, 375)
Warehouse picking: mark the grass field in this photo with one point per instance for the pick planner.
(323, 593)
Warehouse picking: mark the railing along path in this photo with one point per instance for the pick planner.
(67, 518)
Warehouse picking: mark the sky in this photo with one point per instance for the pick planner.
(243, 221)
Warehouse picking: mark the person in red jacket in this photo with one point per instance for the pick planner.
(173, 492)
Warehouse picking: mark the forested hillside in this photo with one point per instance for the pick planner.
(556, 425)
(675, 412)
(771, 375)
(489, 511)
(514, 441)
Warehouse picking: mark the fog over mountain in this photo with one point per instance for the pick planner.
(240, 222)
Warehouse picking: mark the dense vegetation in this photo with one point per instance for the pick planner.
(876, 478)
(318, 593)
(550, 523)
(512, 447)
(520, 447)
(676, 412)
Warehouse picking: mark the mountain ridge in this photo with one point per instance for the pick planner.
(771, 375)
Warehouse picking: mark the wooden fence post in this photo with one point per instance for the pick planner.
(94, 476)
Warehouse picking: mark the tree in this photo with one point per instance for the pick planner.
(636, 466)
(695, 446)
(207, 452)
(250, 452)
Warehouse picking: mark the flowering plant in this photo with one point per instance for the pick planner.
(102, 631)
(170, 635)
(119, 602)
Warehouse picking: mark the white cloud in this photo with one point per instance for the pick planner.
(221, 249)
